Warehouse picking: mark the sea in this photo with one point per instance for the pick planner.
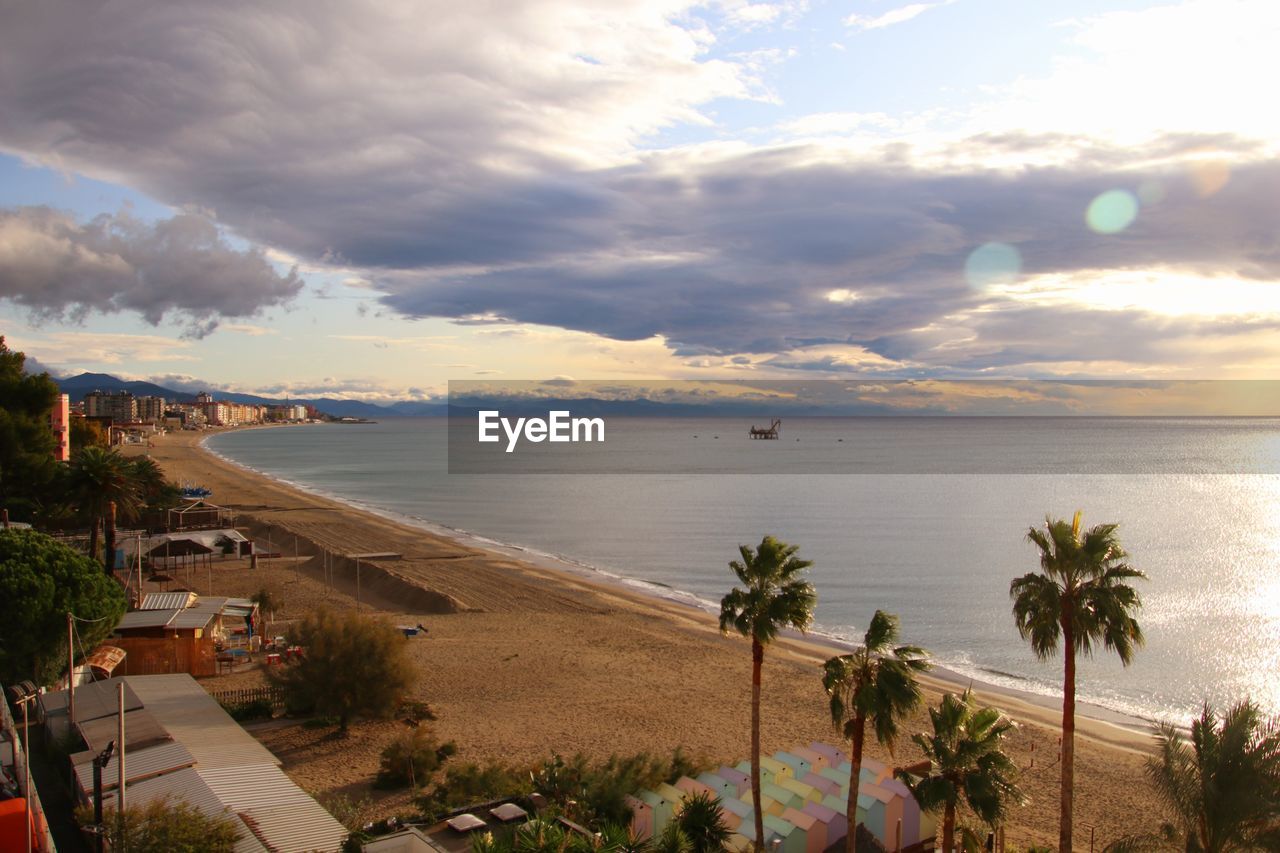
(926, 518)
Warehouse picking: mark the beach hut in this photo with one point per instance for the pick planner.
(798, 765)
(822, 783)
(801, 790)
(719, 785)
(741, 781)
(739, 843)
(838, 775)
(641, 817)
(836, 804)
(672, 793)
(910, 810)
(780, 795)
(793, 837)
(816, 760)
(815, 833)
(835, 755)
(883, 813)
(663, 810)
(741, 810)
(835, 824)
(693, 786)
(776, 768)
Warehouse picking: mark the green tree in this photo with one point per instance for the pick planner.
(87, 433)
(1222, 788)
(41, 580)
(155, 491)
(773, 596)
(1079, 599)
(352, 664)
(875, 684)
(968, 763)
(702, 822)
(168, 826)
(27, 443)
(104, 485)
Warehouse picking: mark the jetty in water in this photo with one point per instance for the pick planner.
(769, 433)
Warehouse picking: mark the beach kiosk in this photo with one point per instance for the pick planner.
(835, 824)
(641, 817)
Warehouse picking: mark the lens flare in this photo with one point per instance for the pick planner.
(1112, 211)
(993, 263)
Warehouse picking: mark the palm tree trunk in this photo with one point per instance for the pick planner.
(1068, 734)
(93, 539)
(109, 536)
(855, 779)
(757, 663)
(949, 827)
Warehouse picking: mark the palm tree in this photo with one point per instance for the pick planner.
(773, 596)
(1222, 788)
(967, 761)
(103, 484)
(875, 684)
(1080, 598)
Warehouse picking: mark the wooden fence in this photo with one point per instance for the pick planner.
(231, 698)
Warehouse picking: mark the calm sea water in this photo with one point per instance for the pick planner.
(935, 547)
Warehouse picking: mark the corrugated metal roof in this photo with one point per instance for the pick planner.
(138, 619)
(167, 600)
(187, 786)
(94, 700)
(141, 729)
(193, 717)
(193, 618)
(142, 764)
(286, 817)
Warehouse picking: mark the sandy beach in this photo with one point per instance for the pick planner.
(522, 660)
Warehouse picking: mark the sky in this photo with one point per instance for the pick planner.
(371, 199)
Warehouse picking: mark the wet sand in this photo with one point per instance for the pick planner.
(523, 660)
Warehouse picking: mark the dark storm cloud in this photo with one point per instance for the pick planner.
(466, 163)
(55, 266)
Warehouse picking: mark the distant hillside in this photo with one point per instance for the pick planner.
(77, 386)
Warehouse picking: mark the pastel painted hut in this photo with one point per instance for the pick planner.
(798, 765)
(739, 843)
(719, 785)
(816, 760)
(870, 814)
(838, 804)
(776, 768)
(800, 789)
(910, 810)
(740, 809)
(663, 810)
(672, 793)
(693, 786)
(838, 775)
(822, 783)
(835, 755)
(781, 795)
(815, 833)
(891, 808)
(835, 824)
(793, 837)
(641, 817)
(740, 780)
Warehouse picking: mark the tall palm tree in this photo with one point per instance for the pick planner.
(1080, 598)
(875, 684)
(103, 484)
(1222, 788)
(968, 762)
(773, 596)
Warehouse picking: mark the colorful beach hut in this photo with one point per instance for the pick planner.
(641, 817)
(719, 785)
(663, 810)
(815, 833)
(741, 810)
(781, 795)
(870, 814)
(693, 786)
(835, 824)
(822, 783)
(742, 781)
(801, 790)
(889, 808)
(775, 767)
(793, 837)
(835, 756)
(798, 765)
(816, 760)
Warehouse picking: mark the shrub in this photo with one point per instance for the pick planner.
(411, 758)
(471, 783)
(351, 664)
(257, 709)
(167, 826)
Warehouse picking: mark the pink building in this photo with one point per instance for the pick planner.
(60, 423)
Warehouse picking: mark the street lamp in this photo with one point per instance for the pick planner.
(100, 761)
(24, 693)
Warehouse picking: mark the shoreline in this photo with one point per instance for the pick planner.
(942, 677)
(530, 659)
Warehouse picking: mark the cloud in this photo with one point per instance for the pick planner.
(56, 266)
(247, 329)
(74, 351)
(895, 16)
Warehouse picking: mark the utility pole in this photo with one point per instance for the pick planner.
(71, 672)
(120, 759)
